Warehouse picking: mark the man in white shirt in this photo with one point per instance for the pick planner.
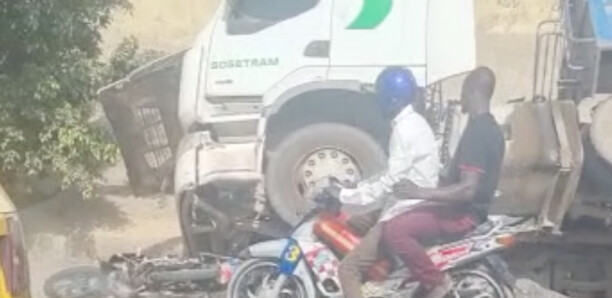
(413, 156)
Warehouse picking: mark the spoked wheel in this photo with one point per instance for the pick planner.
(256, 278)
(77, 282)
(477, 284)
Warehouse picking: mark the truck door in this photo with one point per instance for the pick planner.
(259, 42)
(368, 35)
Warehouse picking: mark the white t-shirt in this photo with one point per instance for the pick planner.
(413, 155)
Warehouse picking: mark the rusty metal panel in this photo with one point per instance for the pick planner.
(142, 111)
(531, 160)
(565, 116)
(543, 161)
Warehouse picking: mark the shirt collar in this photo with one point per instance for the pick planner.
(405, 113)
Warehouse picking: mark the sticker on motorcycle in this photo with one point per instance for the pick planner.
(445, 256)
(321, 260)
(290, 258)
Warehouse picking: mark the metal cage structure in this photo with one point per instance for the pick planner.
(142, 110)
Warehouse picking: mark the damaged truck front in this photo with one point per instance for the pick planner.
(273, 95)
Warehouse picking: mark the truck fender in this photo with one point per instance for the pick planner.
(273, 250)
(274, 100)
(201, 161)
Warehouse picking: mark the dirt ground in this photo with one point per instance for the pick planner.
(65, 231)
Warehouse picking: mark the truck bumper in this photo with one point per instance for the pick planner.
(201, 161)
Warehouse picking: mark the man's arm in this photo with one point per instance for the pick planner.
(370, 190)
(472, 164)
(464, 191)
(402, 155)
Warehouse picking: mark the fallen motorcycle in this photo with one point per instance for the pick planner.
(305, 265)
(135, 275)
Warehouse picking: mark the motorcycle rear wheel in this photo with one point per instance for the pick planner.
(252, 276)
(77, 282)
(477, 284)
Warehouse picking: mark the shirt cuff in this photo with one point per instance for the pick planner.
(350, 196)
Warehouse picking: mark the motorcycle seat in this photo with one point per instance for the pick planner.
(480, 230)
(446, 239)
(443, 240)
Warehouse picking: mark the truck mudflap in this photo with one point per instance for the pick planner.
(142, 111)
(543, 162)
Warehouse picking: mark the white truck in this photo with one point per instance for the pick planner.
(273, 94)
(279, 84)
(278, 87)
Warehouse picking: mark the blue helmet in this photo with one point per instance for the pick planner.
(395, 88)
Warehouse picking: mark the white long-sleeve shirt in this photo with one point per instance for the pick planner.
(413, 155)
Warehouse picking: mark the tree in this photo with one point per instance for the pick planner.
(49, 73)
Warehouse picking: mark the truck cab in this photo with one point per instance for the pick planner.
(273, 94)
(263, 72)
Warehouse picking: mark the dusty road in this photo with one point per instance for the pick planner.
(65, 231)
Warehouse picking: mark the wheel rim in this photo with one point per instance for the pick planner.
(78, 286)
(321, 163)
(253, 282)
(475, 284)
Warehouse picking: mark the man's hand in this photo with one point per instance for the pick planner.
(329, 199)
(333, 190)
(405, 190)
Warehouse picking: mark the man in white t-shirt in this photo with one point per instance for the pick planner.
(413, 156)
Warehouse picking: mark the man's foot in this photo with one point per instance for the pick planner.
(442, 289)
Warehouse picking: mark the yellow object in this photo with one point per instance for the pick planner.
(4, 292)
(293, 253)
(3, 225)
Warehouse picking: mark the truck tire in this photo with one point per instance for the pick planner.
(596, 170)
(314, 152)
(599, 131)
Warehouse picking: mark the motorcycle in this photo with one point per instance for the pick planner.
(135, 275)
(305, 265)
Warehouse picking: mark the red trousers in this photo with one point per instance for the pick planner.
(403, 234)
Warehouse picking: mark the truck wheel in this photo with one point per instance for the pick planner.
(596, 170)
(315, 152)
(77, 282)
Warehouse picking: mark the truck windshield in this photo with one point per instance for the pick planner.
(271, 10)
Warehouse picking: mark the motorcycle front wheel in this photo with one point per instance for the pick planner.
(77, 282)
(256, 276)
(477, 283)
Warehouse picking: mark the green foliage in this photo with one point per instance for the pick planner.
(126, 58)
(49, 74)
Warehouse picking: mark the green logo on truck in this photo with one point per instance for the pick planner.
(373, 13)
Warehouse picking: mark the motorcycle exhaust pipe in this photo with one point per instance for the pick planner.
(186, 275)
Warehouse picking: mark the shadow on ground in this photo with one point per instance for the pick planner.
(73, 218)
